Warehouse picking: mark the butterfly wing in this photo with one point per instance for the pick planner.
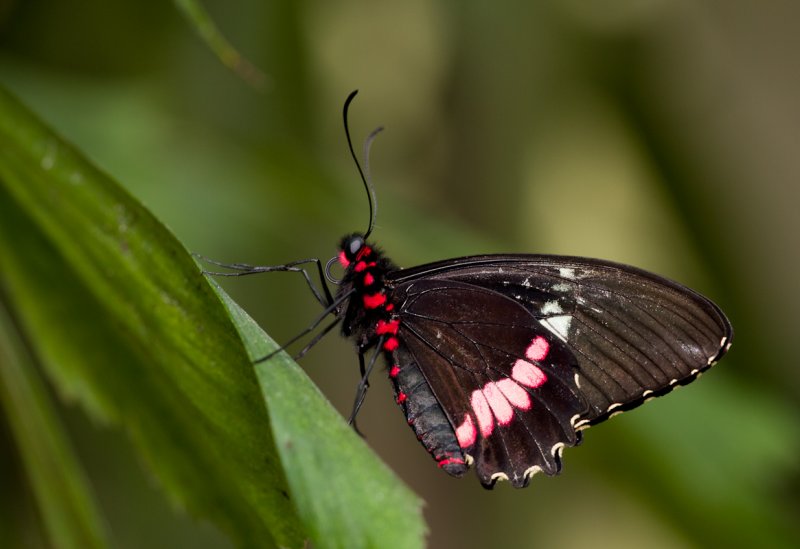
(485, 331)
(512, 408)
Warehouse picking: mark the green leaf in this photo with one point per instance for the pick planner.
(125, 323)
(346, 496)
(59, 484)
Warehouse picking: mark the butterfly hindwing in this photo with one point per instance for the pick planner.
(505, 383)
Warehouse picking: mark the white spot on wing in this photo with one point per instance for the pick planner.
(551, 307)
(532, 471)
(567, 272)
(499, 476)
(526, 283)
(557, 449)
(559, 325)
(560, 287)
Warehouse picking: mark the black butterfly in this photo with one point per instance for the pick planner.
(501, 360)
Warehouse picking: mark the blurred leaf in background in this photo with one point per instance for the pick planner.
(125, 323)
(662, 134)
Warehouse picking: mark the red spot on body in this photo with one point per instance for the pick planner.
(448, 461)
(374, 301)
(391, 344)
(538, 349)
(343, 261)
(368, 279)
(390, 327)
(401, 397)
(466, 432)
(360, 266)
(394, 371)
(389, 307)
(364, 252)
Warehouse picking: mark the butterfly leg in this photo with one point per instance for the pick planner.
(316, 339)
(361, 392)
(310, 328)
(245, 269)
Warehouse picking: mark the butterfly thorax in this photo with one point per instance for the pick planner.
(368, 313)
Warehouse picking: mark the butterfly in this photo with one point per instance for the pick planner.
(499, 362)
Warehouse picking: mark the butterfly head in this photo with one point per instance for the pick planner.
(353, 248)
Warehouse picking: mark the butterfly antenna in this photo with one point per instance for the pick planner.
(373, 202)
(364, 179)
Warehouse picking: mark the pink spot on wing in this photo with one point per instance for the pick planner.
(482, 412)
(394, 371)
(374, 301)
(528, 374)
(466, 433)
(538, 349)
(390, 327)
(401, 397)
(516, 395)
(498, 403)
(343, 261)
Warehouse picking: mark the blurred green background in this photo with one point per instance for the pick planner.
(660, 133)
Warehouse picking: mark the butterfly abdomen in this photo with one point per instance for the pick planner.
(424, 414)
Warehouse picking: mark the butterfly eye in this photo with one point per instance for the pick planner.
(355, 245)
